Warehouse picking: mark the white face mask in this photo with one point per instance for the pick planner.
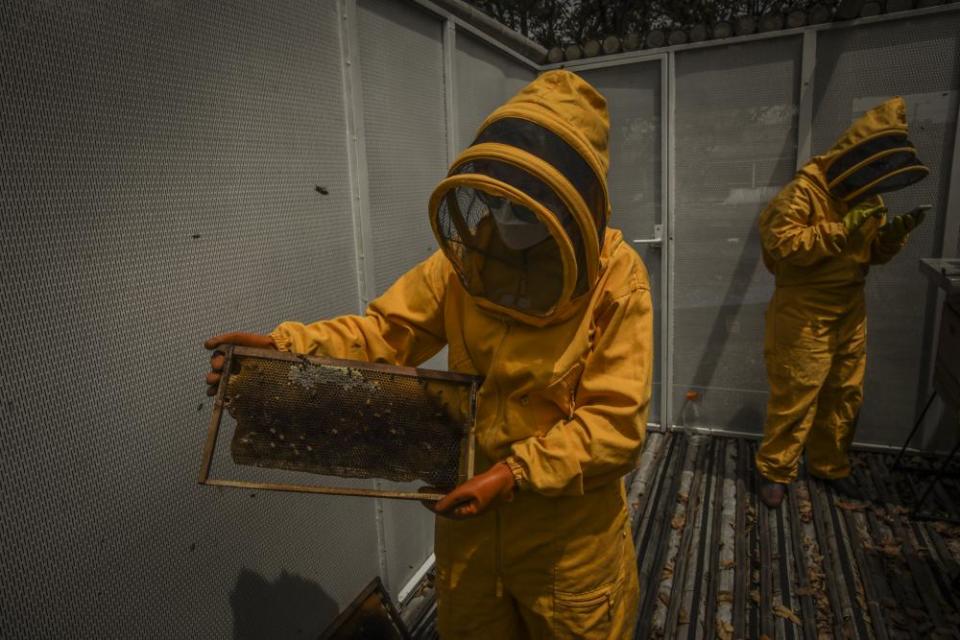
(518, 231)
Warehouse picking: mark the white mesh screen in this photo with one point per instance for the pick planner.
(736, 138)
(401, 63)
(160, 165)
(918, 59)
(401, 60)
(485, 78)
(633, 98)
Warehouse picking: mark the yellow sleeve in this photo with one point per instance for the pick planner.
(602, 440)
(404, 326)
(790, 233)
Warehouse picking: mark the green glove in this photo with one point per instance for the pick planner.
(860, 214)
(898, 228)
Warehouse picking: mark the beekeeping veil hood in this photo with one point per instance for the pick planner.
(872, 157)
(522, 212)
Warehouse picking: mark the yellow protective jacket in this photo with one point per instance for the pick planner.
(815, 341)
(804, 241)
(562, 333)
(568, 401)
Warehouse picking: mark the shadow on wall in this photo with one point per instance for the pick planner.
(289, 607)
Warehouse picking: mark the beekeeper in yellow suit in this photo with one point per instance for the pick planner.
(535, 293)
(820, 235)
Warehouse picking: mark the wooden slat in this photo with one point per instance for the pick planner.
(654, 558)
(827, 544)
(711, 559)
(924, 582)
(807, 609)
(741, 549)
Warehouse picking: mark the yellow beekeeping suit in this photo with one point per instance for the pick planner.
(533, 292)
(815, 344)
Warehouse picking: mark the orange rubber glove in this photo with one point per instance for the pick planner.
(238, 338)
(477, 494)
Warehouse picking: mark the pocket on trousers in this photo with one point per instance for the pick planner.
(585, 615)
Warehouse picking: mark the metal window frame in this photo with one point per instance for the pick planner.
(668, 106)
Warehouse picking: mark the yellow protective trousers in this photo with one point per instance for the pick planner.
(815, 350)
(539, 567)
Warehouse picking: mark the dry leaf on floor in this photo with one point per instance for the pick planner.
(783, 612)
(678, 521)
(724, 630)
(683, 498)
(755, 595)
(806, 591)
(728, 564)
(724, 596)
(684, 617)
(664, 598)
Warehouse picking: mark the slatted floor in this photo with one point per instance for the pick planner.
(715, 562)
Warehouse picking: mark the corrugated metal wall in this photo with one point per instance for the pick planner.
(159, 170)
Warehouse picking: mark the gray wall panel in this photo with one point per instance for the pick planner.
(919, 59)
(484, 79)
(59, 514)
(401, 62)
(736, 120)
(158, 187)
(404, 115)
(634, 179)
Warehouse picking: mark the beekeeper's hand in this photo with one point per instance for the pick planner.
(238, 338)
(861, 213)
(898, 228)
(477, 494)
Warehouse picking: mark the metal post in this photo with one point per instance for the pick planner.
(359, 197)
(668, 104)
(951, 229)
(356, 150)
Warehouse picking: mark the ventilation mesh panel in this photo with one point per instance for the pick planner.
(485, 78)
(401, 61)
(918, 59)
(736, 119)
(634, 180)
(158, 186)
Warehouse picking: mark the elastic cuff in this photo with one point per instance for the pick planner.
(280, 339)
(518, 471)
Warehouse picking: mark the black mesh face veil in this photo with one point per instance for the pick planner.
(550, 147)
(473, 220)
(878, 165)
